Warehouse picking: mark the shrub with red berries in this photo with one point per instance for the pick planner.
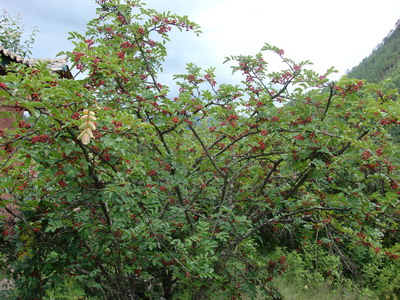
(140, 195)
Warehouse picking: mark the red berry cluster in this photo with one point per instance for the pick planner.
(40, 139)
(23, 124)
(78, 55)
(387, 121)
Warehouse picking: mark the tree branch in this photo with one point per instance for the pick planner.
(207, 153)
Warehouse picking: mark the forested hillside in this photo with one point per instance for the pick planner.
(383, 62)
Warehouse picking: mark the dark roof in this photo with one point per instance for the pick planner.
(58, 65)
(11, 55)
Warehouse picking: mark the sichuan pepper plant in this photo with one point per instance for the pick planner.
(136, 194)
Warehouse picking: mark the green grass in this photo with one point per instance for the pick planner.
(295, 291)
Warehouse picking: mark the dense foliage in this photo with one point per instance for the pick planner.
(124, 192)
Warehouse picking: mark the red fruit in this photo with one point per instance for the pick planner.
(299, 137)
(274, 119)
(151, 173)
(62, 183)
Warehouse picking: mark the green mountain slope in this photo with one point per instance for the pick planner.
(383, 62)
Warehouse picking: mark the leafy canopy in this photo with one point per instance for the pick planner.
(137, 194)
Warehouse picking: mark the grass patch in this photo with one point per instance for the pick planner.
(296, 291)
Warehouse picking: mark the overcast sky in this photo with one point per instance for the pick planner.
(336, 33)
